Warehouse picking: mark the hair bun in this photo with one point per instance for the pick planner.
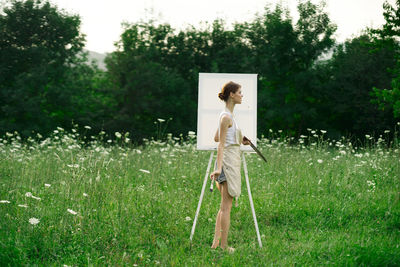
(227, 89)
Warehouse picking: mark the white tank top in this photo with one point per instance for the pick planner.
(231, 133)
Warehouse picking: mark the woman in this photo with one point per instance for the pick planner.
(227, 173)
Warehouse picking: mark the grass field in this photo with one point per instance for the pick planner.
(108, 203)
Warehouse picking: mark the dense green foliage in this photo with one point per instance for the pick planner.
(331, 203)
(306, 80)
(387, 38)
(44, 81)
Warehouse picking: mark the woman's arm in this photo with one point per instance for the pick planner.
(216, 137)
(225, 122)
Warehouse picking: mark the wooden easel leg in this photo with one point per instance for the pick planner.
(251, 200)
(201, 195)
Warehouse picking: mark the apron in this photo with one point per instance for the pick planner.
(231, 164)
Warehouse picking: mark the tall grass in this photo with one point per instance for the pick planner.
(108, 203)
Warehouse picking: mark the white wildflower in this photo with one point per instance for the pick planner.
(320, 161)
(303, 136)
(85, 195)
(323, 131)
(342, 152)
(191, 133)
(72, 212)
(161, 120)
(188, 219)
(88, 127)
(73, 165)
(118, 135)
(47, 185)
(145, 171)
(387, 131)
(319, 181)
(33, 221)
(4, 201)
(367, 136)
(29, 194)
(23, 206)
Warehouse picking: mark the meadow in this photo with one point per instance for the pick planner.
(68, 201)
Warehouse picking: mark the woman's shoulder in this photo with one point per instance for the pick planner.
(225, 119)
(225, 114)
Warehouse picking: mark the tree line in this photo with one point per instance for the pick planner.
(306, 79)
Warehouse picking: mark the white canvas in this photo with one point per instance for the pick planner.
(210, 107)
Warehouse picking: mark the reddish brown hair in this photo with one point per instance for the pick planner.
(227, 89)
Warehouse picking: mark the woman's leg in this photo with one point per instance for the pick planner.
(225, 214)
(217, 234)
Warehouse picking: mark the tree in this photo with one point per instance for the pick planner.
(38, 44)
(284, 55)
(146, 87)
(344, 84)
(387, 38)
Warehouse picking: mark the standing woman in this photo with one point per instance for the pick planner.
(227, 173)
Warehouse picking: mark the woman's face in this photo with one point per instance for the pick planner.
(237, 97)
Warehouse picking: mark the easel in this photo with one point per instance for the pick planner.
(248, 190)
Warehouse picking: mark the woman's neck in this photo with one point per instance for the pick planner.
(230, 106)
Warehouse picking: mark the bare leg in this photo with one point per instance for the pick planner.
(225, 214)
(217, 234)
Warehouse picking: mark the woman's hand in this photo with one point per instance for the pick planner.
(245, 141)
(215, 174)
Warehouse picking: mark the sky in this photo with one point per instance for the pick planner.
(101, 19)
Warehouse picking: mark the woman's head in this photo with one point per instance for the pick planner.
(229, 90)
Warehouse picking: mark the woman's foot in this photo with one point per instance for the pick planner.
(215, 244)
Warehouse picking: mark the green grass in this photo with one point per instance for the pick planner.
(325, 204)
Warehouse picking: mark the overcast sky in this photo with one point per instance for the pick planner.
(101, 19)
